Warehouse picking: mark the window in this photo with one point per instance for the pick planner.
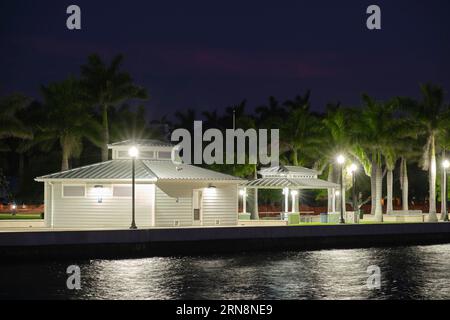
(146, 155)
(122, 191)
(122, 154)
(164, 155)
(74, 191)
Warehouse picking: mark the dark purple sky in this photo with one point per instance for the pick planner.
(211, 54)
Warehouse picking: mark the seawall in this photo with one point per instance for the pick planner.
(92, 244)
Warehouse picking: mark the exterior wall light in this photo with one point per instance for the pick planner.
(99, 193)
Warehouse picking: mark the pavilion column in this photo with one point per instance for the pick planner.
(286, 199)
(293, 202)
(244, 201)
(294, 194)
(333, 200)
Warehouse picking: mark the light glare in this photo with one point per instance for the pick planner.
(133, 152)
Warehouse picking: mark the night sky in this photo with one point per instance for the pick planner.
(212, 54)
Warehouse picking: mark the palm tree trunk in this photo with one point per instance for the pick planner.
(378, 191)
(432, 217)
(443, 207)
(294, 157)
(255, 213)
(65, 160)
(405, 186)
(389, 186)
(105, 124)
(373, 191)
(21, 168)
(330, 191)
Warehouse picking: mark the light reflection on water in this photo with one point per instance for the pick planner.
(418, 272)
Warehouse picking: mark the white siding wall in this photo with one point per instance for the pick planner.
(47, 204)
(113, 212)
(220, 204)
(168, 209)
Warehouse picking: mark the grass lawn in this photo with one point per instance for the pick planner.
(21, 216)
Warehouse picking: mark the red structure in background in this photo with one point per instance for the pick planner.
(22, 208)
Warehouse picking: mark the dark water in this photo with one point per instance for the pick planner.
(418, 272)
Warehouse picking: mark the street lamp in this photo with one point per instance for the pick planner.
(352, 169)
(340, 160)
(133, 152)
(445, 165)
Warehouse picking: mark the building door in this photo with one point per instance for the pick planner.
(197, 200)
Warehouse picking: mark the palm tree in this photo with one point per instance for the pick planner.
(212, 119)
(107, 86)
(443, 140)
(10, 124)
(186, 119)
(403, 135)
(432, 116)
(126, 123)
(337, 136)
(375, 133)
(272, 115)
(69, 120)
(300, 136)
(299, 102)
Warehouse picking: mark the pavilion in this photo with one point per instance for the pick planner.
(289, 179)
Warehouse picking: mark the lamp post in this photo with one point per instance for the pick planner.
(14, 208)
(340, 160)
(445, 165)
(352, 169)
(133, 152)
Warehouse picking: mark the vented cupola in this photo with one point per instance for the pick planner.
(148, 149)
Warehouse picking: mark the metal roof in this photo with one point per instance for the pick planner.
(141, 142)
(279, 183)
(167, 170)
(113, 169)
(282, 170)
(145, 170)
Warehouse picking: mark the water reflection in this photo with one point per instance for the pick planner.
(419, 272)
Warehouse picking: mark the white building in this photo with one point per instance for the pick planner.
(167, 195)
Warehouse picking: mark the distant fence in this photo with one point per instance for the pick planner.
(273, 210)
